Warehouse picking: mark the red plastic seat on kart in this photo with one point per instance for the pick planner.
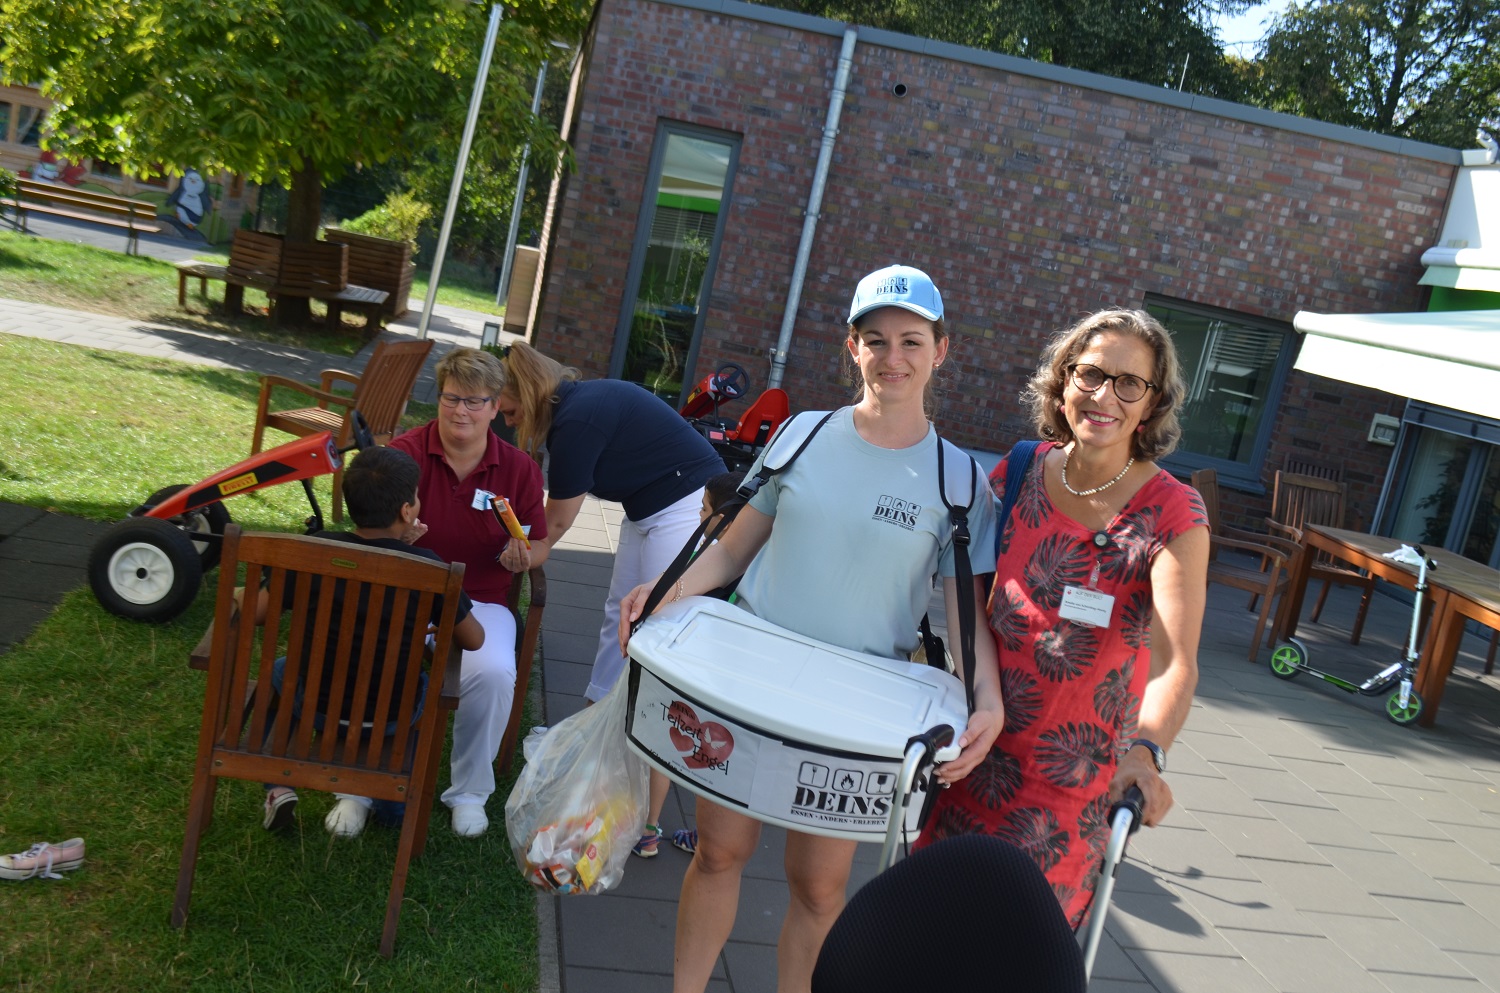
(763, 418)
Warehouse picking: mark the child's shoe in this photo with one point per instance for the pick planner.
(685, 839)
(646, 847)
(281, 809)
(43, 859)
(347, 818)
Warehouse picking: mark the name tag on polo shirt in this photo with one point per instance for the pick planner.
(483, 500)
(1086, 606)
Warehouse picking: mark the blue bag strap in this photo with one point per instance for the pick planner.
(1016, 464)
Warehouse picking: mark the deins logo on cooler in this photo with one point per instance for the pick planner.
(838, 794)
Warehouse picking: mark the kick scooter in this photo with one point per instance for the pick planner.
(1404, 705)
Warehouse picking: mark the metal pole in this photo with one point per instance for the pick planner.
(458, 169)
(515, 207)
(814, 205)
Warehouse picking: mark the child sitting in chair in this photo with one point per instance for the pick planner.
(380, 491)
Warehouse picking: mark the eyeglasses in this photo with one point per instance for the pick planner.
(1128, 388)
(471, 403)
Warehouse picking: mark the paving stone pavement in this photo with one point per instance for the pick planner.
(1314, 846)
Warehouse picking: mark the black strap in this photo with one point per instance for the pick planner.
(727, 513)
(964, 573)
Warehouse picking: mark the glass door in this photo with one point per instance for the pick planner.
(672, 266)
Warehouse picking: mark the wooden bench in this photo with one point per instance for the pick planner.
(132, 216)
(265, 262)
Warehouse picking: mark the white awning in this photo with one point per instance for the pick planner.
(1448, 358)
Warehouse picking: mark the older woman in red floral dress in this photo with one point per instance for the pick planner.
(1096, 608)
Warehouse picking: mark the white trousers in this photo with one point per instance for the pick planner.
(486, 687)
(647, 547)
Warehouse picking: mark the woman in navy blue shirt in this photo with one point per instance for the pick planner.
(624, 444)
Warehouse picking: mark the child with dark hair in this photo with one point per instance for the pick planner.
(380, 490)
(716, 492)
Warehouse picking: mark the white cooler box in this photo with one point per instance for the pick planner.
(788, 730)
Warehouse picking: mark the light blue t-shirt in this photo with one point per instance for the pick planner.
(859, 533)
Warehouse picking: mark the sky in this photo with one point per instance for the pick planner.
(1240, 34)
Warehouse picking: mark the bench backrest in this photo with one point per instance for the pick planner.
(314, 265)
(255, 256)
(108, 203)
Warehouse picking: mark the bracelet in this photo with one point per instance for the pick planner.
(679, 591)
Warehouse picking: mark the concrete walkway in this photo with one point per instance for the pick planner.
(1315, 845)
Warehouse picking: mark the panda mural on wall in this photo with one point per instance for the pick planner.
(189, 203)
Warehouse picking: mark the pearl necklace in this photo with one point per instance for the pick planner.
(1097, 489)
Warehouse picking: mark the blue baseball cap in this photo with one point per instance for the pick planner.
(897, 286)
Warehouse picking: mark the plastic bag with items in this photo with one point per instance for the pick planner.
(580, 803)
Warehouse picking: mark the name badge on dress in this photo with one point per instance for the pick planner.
(1089, 607)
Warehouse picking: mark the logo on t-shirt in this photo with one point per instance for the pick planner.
(898, 511)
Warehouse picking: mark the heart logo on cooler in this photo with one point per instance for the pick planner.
(714, 745)
(683, 727)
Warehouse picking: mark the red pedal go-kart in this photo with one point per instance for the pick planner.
(737, 442)
(149, 566)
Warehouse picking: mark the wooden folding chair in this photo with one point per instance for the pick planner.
(251, 732)
(1275, 555)
(1299, 500)
(528, 632)
(380, 394)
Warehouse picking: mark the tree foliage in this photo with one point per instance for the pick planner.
(1422, 69)
(289, 91)
(1150, 42)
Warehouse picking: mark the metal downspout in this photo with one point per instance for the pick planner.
(814, 205)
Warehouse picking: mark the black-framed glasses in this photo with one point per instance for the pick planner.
(1128, 388)
(471, 403)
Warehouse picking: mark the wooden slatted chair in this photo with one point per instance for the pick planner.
(250, 732)
(528, 632)
(1274, 555)
(1299, 499)
(380, 393)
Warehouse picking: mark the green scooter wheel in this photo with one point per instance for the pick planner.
(1288, 658)
(1404, 715)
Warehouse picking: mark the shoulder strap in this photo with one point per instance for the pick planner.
(1016, 464)
(729, 509)
(964, 573)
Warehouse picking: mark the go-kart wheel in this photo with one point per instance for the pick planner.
(212, 519)
(733, 380)
(360, 429)
(1407, 714)
(145, 569)
(1288, 658)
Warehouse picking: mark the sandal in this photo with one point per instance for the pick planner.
(43, 859)
(685, 839)
(646, 847)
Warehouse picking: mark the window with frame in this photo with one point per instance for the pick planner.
(6, 112)
(29, 125)
(1235, 368)
(674, 257)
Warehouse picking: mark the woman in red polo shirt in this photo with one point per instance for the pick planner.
(459, 456)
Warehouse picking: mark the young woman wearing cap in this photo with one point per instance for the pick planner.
(1097, 605)
(817, 559)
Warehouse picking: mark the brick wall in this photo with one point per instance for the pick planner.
(1031, 202)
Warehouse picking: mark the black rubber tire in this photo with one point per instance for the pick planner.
(145, 569)
(1407, 715)
(212, 519)
(1287, 658)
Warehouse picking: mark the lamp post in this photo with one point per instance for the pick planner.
(458, 169)
(515, 207)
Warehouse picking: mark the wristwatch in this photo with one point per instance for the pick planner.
(1157, 754)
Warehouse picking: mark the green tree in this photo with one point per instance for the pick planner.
(288, 91)
(1422, 69)
(1150, 42)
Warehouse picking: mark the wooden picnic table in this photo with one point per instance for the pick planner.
(1459, 589)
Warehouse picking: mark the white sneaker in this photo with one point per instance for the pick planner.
(346, 819)
(470, 820)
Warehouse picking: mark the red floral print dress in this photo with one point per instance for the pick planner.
(1072, 693)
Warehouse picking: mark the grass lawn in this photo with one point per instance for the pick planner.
(100, 717)
(83, 277)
